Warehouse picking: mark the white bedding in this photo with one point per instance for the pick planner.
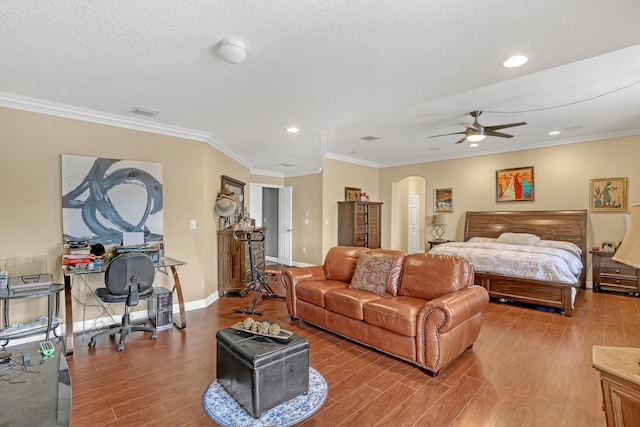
(542, 262)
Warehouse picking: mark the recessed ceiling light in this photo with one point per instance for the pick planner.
(554, 132)
(473, 145)
(515, 61)
(293, 130)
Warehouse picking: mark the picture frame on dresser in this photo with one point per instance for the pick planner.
(351, 193)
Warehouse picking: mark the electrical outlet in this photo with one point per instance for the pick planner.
(306, 220)
(304, 250)
(192, 224)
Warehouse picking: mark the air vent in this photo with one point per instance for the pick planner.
(286, 164)
(144, 112)
(370, 138)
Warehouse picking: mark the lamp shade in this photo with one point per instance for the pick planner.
(440, 220)
(629, 251)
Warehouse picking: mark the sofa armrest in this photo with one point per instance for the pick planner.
(292, 276)
(448, 325)
(457, 307)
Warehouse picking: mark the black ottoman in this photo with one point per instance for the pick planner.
(261, 372)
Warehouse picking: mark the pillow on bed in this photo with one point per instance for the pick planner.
(372, 273)
(524, 239)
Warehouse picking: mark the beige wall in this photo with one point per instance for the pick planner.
(31, 214)
(306, 238)
(335, 176)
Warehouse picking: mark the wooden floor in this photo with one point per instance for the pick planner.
(528, 368)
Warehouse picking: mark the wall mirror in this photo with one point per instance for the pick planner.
(237, 187)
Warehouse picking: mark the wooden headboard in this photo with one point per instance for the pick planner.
(568, 226)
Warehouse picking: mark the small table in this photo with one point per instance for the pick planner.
(26, 329)
(259, 372)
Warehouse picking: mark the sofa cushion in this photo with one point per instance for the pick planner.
(372, 273)
(340, 262)
(428, 276)
(314, 291)
(348, 301)
(396, 314)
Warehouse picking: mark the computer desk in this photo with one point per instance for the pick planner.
(164, 263)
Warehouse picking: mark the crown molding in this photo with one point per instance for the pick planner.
(34, 105)
(348, 159)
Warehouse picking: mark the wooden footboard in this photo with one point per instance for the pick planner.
(548, 294)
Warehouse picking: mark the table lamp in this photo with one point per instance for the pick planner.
(440, 221)
(629, 251)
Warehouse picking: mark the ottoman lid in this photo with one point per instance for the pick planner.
(258, 350)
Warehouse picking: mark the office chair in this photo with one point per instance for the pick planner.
(129, 278)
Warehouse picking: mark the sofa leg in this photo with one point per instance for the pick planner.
(295, 319)
(431, 373)
(470, 347)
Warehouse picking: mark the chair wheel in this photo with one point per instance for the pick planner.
(154, 336)
(121, 347)
(92, 344)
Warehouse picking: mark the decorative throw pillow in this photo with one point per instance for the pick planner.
(524, 239)
(372, 273)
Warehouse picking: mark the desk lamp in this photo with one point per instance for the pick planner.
(629, 251)
(440, 222)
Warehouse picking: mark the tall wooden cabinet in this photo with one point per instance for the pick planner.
(359, 224)
(620, 381)
(234, 268)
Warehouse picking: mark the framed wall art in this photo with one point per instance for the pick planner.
(608, 195)
(351, 193)
(443, 200)
(515, 185)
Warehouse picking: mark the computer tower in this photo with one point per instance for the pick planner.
(160, 308)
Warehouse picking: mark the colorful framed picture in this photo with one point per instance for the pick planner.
(608, 195)
(351, 193)
(443, 200)
(608, 246)
(515, 185)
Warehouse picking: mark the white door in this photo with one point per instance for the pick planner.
(284, 225)
(414, 223)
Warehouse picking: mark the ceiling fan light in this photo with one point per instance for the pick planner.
(476, 138)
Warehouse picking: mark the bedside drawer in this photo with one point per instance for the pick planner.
(619, 281)
(618, 271)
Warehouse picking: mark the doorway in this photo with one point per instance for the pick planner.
(271, 207)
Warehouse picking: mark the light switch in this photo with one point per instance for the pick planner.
(192, 224)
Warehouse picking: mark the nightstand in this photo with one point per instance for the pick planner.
(610, 275)
(433, 243)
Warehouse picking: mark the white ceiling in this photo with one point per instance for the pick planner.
(337, 69)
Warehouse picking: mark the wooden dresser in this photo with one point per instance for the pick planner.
(359, 224)
(610, 275)
(620, 380)
(234, 268)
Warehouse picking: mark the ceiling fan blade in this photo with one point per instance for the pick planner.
(445, 134)
(508, 125)
(470, 126)
(462, 140)
(500, 134)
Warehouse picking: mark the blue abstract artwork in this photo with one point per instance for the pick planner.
(103, 198)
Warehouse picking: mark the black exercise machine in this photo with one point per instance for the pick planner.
(258, 282)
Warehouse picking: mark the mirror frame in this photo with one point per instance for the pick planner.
(237, 187)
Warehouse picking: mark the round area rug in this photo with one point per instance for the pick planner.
(223, 409)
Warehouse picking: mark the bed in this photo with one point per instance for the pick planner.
(565, 226)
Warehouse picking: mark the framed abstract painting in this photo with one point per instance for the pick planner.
(515, 185)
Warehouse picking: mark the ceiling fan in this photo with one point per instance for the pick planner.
(476, 132)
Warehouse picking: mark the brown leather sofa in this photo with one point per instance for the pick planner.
(429, 315)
